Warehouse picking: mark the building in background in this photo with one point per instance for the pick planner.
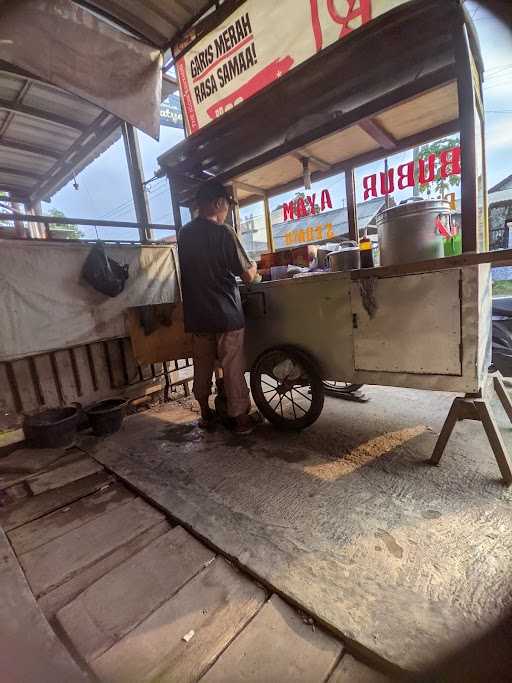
(500, 214)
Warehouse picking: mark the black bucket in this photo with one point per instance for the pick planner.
(106, 417)
(52, 428)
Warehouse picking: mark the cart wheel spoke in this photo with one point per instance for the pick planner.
(293, 404)
(298, 405)
(273, 397)
(283, 401)
(280, 405)
(308, 398)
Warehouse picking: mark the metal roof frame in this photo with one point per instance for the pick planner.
(44, 130)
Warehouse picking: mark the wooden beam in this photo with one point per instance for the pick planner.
(353, 231)
(300, 154)
(22, 174)
(31, 149)
(237, 221)
(268, 223)
(249, 188)
(410, 142)
(378, 133)
(501, 257)
(400, 95)
(467, 109)
(39, 115)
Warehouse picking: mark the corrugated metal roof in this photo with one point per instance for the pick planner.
(156, 21)
(499, 196)
(505, 184)
(40, 127)
(46, 133)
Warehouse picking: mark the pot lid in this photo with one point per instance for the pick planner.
(413, 206)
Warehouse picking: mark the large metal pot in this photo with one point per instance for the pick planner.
(409, 232)
(347, 257)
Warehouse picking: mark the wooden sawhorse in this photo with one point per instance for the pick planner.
(477, 407)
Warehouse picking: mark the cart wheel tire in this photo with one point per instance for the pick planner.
(303, 397)
(333, 388)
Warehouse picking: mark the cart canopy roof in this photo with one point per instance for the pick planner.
(389, 86)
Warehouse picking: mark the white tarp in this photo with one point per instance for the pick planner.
(70, 47)
(45, 306)
(257, 44)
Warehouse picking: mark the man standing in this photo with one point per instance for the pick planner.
(211, 256)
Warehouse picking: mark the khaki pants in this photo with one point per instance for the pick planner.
(228, 349)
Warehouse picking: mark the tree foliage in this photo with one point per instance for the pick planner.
(440, 186)
(68, 230)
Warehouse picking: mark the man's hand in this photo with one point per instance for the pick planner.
(251, 275)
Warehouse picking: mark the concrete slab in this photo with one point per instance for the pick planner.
(51, 564)
(58, 597)
(403, 559)
(68, 517)
(215, 606)
(107, 610)
(277, 646)
(16, 514)
(30, 650)
(349, 670)
(60, 476)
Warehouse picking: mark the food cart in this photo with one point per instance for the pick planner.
(404, 74)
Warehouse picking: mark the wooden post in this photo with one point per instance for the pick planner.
(139, 192)
(237, 223)
(353, 232)
(268, 223)
(37, 230)
(476, 407)
(467, 113)
(20, 230)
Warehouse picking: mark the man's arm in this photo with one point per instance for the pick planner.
(250, 275)
(238, 261)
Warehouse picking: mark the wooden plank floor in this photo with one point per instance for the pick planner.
(115, 592)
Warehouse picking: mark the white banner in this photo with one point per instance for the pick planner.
(258, 43)
(45, 306)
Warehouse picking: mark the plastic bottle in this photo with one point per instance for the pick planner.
(366, 248)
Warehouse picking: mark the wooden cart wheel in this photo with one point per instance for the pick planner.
(333, 388)
(287, 388)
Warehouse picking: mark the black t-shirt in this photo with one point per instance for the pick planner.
(210, 256)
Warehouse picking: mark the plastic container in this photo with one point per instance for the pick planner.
(53, 428)
(348, 257)
(106, 417)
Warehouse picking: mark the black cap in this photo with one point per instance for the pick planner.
(210, 191)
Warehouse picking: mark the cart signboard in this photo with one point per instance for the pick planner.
(257, 44)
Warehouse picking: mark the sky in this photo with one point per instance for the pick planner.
(104, 188)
